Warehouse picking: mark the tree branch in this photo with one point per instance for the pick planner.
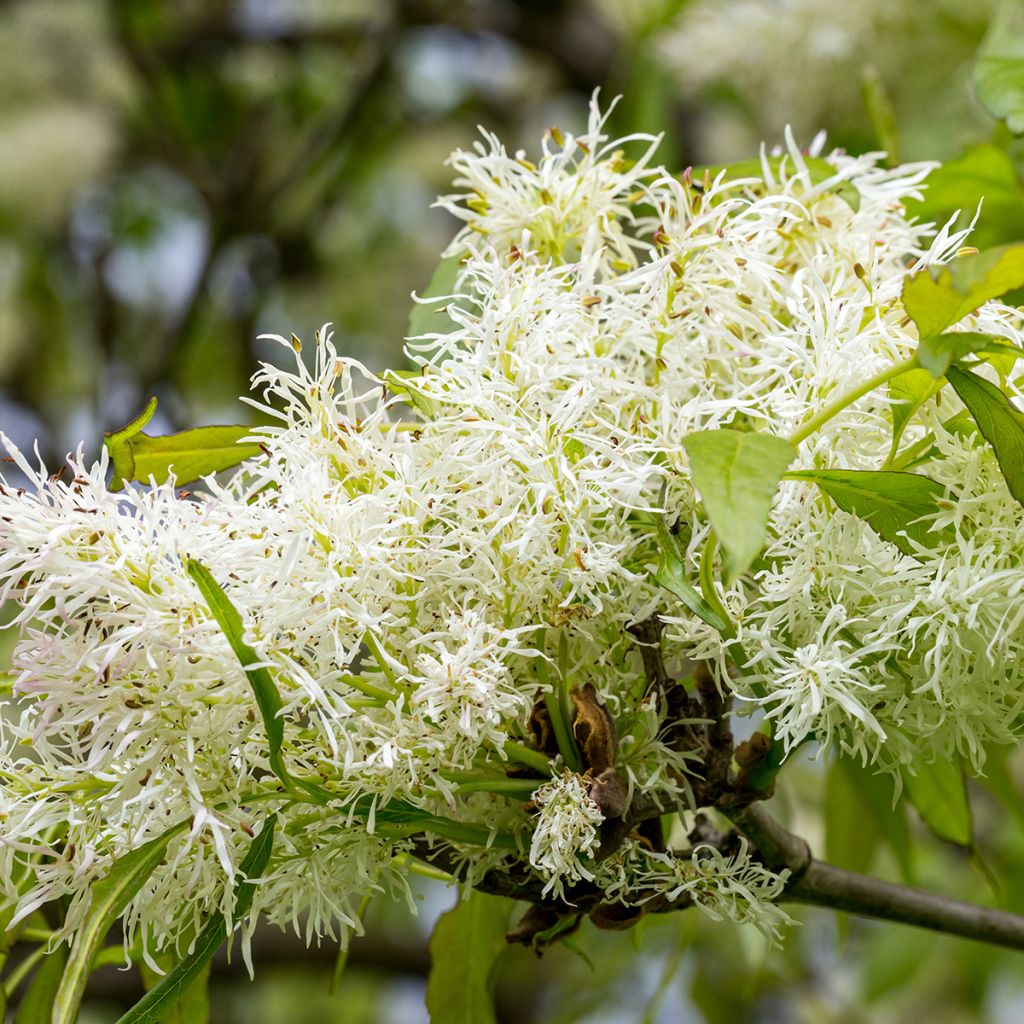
(817, 883)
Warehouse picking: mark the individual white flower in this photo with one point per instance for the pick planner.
(565, 832)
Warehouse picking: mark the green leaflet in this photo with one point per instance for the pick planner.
(264, 688)
(938, 352)
(189, 454)
(110, 896)
(940, 296)
(999, 69)
(671, 574)
(983, 175)
(174, 985)
(859, 815)
(736, 474)
(891, 503)
(464, 947)
(851, 832)
(1000, 423)
(909, 391)
(818, 170)
(36, 1006)
(403, 383)
(939, 792)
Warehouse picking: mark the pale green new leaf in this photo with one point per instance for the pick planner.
(108, 899)
(464, 947)
(177, 982)
(939, 792)
(188, 455)
(895, 505)
(866, 799)
(941, 296)
(1000, 423)
(736, 474)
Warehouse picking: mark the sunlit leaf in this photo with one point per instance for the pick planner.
(187, 455)
(938, 297)
(937, 352)
(984, 176)
(736, 474)
(909, 391)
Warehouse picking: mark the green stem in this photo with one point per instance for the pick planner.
(368, 689)
(566, 746)
(815, 423)
(496, 784)
(526, 755)
(707, 579)
(375, 649)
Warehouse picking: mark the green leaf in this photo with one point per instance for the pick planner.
(1000, 423)
(194, 1005)
(909, 391)
(999, 69)
(865, 801)
(671, 574)
(403, 383)
(36, 1006)
(464, 947)
(736, 474)
(940, 296)
(262, 682)
(187, 455)
(983, 175)
(178, 981)
(818, 170)
(851, 831)
(108, 899)
(938, 352)
(432, 317)
(891, 503)
(939, 792)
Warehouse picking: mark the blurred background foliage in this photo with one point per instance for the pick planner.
(178, 176)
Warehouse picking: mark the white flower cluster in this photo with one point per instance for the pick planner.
(566, 830)
(414, 582)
